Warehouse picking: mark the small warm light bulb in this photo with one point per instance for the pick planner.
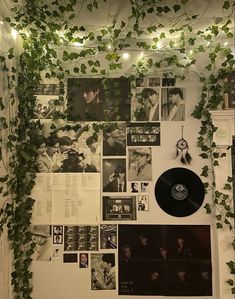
(109, 46)
(208, 43)
(1, 22)
(226, 43)
(159, 45)
(141, 54)
(77, 44)
(125, 55)
(191, 52)
(14, 33)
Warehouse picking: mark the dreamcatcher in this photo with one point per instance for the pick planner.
(182, 149)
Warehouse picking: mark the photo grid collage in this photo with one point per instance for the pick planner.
(122, 155)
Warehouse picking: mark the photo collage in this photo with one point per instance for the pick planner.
(119, 253)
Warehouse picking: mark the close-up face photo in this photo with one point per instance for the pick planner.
(90, 96)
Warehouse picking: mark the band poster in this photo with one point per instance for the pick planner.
(94, 189)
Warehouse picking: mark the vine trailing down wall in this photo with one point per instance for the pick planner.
(55, 45)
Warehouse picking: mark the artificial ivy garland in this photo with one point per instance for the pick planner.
(45, 30)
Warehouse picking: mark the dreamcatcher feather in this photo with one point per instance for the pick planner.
(182, 149)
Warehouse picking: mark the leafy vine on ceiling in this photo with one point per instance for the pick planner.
(55, 46)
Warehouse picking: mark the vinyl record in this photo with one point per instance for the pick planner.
(179, 192)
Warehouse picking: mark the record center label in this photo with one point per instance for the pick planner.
(179, 192)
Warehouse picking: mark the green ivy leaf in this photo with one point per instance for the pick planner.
(208, 208)
(162, 35)
(209, 67)
(227, 187)
(204, 156)
(2, 107)
(231, 266)
(166, 9)
(176, 7)
(219, 225)
(76, 70)
(230, 179)
(226, 5)
(83, 68)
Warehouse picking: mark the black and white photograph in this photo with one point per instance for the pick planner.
(66, 150)
(70, 258)
(48, 107)
(144, 187)
(97, 99)
(134, 187)
(48, 89)
(143, 202)
(42, 236)
(103, 275)
(78, 238)
(57, 230)
(170, 81)
(114, 175)
(119, 208)
(173, 104)
(57, 253)
(141, 82)
(165, 260)
(108, 236)
(140, 164)
(154, 81)
(57, 239)
(145, 104)
(143, 134)
(83, 260)
(114, 139)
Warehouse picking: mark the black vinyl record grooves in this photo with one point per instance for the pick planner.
(179, 192)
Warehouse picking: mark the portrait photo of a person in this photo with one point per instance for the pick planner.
(87, 99)
(117, 181)
(97, 99)
(114, 141)
(41, 236)
(103, 271)
(173, 104)
(140, 168)
(83, 260)
(146, 104)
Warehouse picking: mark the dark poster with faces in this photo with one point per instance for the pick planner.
(99, 99)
